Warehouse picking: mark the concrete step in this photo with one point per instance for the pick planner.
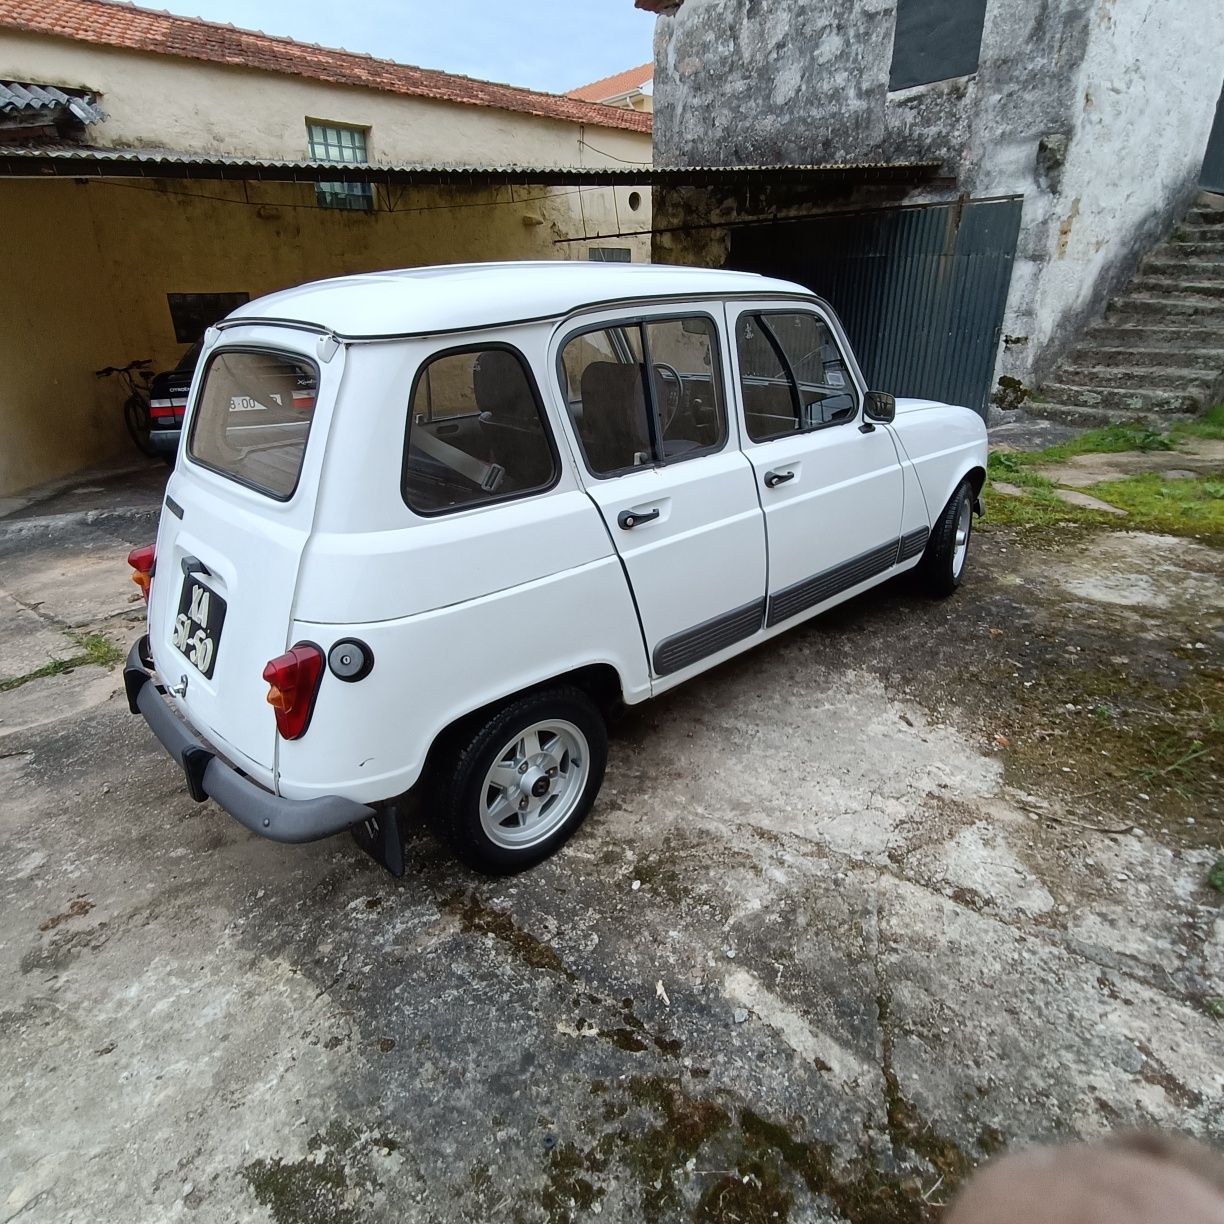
(1205, 216)
(1203, 362)
(1095, 418)
(1154, 400)
(1171, 267)
(1167, 311)
(1185, 336)
(1079, 371)
(1191, 250)
(1169, 286)
(1206, 235)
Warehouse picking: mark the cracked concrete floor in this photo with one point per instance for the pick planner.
(844, 922)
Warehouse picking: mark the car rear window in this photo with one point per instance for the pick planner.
(253, 418)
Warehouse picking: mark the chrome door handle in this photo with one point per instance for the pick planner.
(626, 520)
(774, 479)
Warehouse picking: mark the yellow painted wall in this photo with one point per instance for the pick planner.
(85, 268)
(161, 101)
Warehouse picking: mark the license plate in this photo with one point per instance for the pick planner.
(197, 628)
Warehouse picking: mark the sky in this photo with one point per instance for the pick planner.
(552, 45)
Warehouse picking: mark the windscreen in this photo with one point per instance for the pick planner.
(253, 418)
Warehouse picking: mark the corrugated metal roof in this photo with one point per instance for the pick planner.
(76, 162)
(30, 98)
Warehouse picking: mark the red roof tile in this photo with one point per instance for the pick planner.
(614, 86)
(137, 29)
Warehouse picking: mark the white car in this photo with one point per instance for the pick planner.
(428, 527)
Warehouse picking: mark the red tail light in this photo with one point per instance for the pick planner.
(143, 562)
(293, 684)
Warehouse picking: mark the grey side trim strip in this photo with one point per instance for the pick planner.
(912, 543)
(685, 648)
(806, 594)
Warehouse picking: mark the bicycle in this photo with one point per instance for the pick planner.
(136, 377)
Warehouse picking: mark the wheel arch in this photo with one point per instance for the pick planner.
(601, 682)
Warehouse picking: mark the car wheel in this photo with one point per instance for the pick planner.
(519, 786)
(947, 551)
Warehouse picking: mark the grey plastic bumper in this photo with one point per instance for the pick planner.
(164, 441)
(209, 777)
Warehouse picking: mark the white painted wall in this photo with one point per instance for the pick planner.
(1140, 125)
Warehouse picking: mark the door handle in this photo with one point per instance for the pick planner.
(626, 520)
(774, 479)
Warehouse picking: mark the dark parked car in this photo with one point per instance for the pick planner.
(168, 402)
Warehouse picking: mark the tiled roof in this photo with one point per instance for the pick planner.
(614, 86)
(138, 29)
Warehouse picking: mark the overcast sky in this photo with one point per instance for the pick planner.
(554, 45)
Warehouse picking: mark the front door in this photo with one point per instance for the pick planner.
(647, 401)
(830, 482)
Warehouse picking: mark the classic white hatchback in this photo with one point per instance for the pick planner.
(428, 527)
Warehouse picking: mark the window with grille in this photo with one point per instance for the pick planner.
(609, 254)
(346, 145)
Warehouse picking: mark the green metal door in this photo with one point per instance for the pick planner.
(1212, 178)
(920, 291)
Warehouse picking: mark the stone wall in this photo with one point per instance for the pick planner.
(1097, 112)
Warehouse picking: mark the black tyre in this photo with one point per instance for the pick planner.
(136, 417)
(947, 551)
(514, 790)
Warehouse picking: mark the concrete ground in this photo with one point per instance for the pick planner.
(914, 883)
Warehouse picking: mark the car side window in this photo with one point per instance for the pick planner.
(476, 432)
(625, 419)
(793, 376)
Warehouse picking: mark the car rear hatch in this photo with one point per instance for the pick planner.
(237, 517)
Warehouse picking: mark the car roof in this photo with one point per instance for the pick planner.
(460, 297)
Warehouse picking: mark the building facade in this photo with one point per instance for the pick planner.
(633, 88)
(1068, 135)
(189, 136)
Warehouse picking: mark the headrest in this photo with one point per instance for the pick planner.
(500, 385)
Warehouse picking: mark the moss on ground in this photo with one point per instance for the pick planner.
(712, 1160)
(475, 916)
(1189, 507)
(1106, 738)
(94, 650)
(331, 1182)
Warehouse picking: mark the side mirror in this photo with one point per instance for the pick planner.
(879, 406)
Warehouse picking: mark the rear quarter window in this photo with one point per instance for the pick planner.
(253, 418)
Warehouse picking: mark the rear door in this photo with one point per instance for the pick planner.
(237, 517)
(830, 482)
(647, 402)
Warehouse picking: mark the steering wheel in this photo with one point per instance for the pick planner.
(675, 391)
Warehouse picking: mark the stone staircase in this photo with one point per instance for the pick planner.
(1158, 354)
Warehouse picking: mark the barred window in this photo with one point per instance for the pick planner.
(346, 145)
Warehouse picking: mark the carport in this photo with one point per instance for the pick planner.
(122, 253)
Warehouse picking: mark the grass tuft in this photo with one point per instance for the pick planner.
(95, 651)
(1215, 877)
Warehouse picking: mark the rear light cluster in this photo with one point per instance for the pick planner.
(167, 411)
(143, 562)
(293, 684)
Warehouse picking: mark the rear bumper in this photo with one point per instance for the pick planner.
(164, 441)
(209, 777)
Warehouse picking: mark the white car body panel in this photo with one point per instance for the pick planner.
(943, 442)
(463, 609)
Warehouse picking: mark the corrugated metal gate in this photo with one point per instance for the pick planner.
(1212, 177)
(921, 291)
